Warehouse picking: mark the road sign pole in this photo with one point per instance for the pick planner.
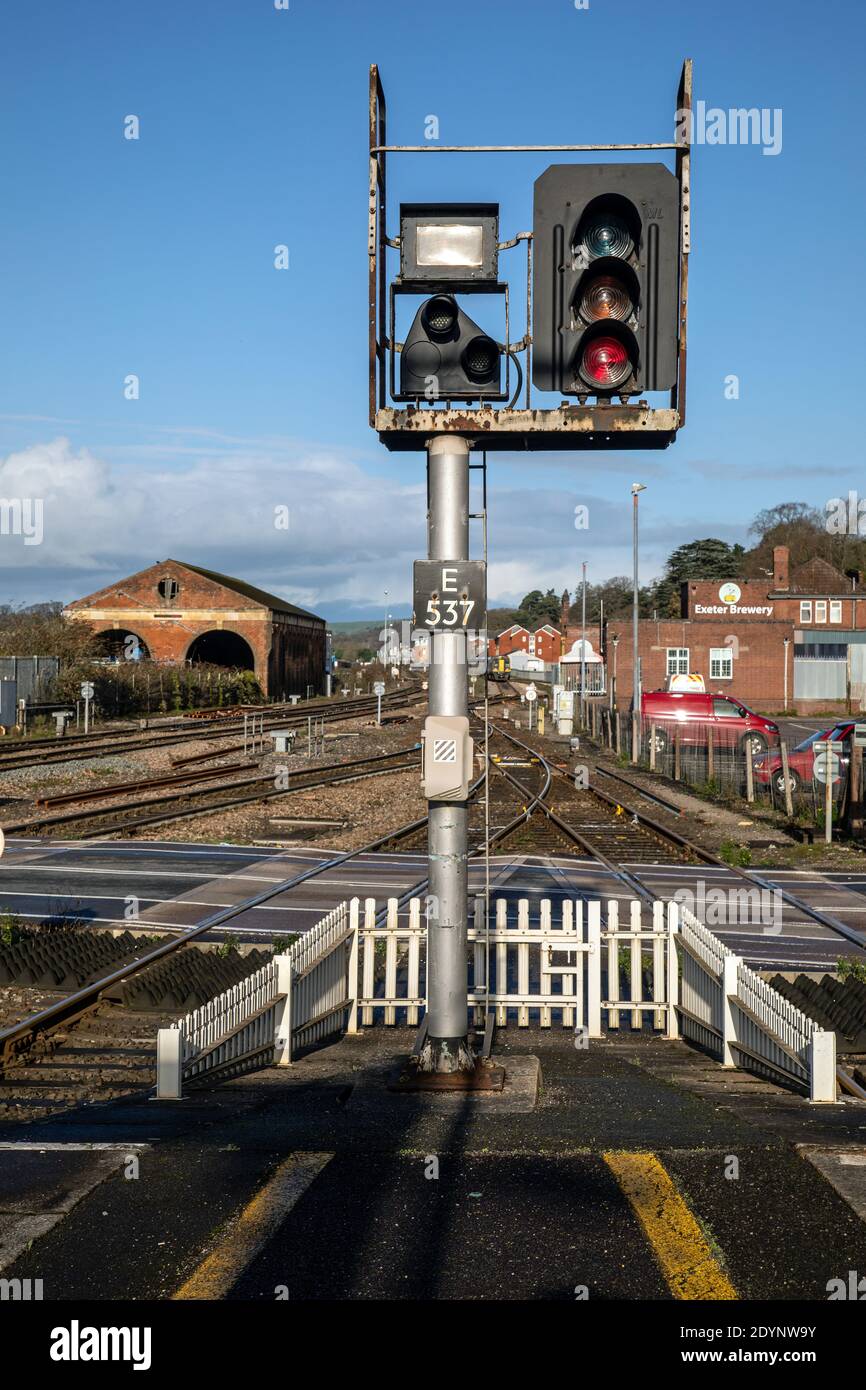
(828, 798)
(855, 788)
(446, 1048)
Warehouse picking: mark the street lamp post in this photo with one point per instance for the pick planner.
(636, 488)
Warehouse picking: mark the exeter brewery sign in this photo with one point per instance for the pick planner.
(729, 602)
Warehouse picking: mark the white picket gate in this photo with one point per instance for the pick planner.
(530, 968)
(741, 1019)
(576, 969)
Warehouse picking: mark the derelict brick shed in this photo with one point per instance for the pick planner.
(182, 613)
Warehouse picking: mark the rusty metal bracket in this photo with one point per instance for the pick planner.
(566, 427)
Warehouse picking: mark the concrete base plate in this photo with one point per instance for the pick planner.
(518, 1094)
(484, 1076)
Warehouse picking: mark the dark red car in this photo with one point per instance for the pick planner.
(735, 725)
(801, 759)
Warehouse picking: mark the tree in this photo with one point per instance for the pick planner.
(537, 608)
(706, 559)
(804, 530)
(615, 594)
(709, 558)
(42, 631)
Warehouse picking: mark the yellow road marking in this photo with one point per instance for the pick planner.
(688, 1264)
(249, 1231)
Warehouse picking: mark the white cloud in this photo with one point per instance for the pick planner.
(352, 534)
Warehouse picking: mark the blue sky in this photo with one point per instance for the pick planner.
(155, 257)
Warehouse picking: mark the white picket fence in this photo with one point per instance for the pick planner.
(313, 980)
(729, 1010)
(296, 999)
(578, 969)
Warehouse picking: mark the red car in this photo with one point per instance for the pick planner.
(735, 724)
(801, 759)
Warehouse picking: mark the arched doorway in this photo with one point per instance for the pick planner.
(118, 644)
(220, 648)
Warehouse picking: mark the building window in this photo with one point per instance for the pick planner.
(805, 610)
(721, 664)
(821, 610)
(168, 589)
(821, 651)
(678, 661)
(835, 610)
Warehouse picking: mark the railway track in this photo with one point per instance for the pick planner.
(629, 841)
(66, 1031)
(43, 752)
(534, 808)
(186, 801)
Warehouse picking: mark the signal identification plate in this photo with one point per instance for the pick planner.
(450, 595)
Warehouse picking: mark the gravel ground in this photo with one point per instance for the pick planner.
(386, 802)
(17, 1002)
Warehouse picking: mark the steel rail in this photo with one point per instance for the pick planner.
(80, 749)
(706, 856)
(186, 792)
(642, 791)
(488, 842)
(197, 719)
(114, 789)
(207, 808)
(19, 1035)
(623, 875)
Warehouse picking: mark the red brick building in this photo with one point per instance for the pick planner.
(792, 640)
(545, 642)
(180, 613)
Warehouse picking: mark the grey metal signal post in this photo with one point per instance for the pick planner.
(446, 1047)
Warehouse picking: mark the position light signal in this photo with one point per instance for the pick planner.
(446, 356)
(606, 280)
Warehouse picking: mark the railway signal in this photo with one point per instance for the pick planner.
(605, 317)
(446, 247)
(447, 356)
(605, 302)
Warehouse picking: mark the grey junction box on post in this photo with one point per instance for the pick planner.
(447, 757)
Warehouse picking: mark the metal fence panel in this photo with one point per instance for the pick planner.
(35, 674)
(819, 679)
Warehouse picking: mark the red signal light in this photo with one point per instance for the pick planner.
(605, 363)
